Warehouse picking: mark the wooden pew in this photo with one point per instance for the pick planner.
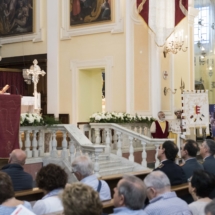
(114, 179)
(30, 195)
(181, 190)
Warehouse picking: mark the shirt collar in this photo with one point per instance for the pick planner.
(166, 195)
(123, 209)
(53, 193)
(189, 159)
(206, 157)
(89, 178)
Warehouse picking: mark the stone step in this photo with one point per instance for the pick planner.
(109, 163)
(116, 170)
(104, 157)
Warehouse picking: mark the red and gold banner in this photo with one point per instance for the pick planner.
(162, 16)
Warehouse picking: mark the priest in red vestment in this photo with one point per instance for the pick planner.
(160, 127)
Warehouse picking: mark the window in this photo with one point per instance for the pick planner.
(201, 25)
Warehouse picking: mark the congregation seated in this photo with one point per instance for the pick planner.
(52, 179)
(129, 196)
(21, 180)
(8, 202)
(79, 198)
(207, 151)
(161, 200)
(210, 208)
(188, 153)
(167, 154)
(82, 168)
(200, 186)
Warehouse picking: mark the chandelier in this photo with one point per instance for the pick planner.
(176, 43)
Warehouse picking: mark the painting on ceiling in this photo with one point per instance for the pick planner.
(16, 17)
(89, 11)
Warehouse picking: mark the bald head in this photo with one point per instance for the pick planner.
(17, 156)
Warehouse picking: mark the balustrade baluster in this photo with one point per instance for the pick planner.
(97, 134)
(107, 148)
(131, 149)
(64, 153)
(78, 150)
(114, 139)
(40, 143)
(144, 155)
(119, 144)
(96, 164)
(93, 136)
(54, 145)
(28, 145)
(104, 135)
(34, 144)
(156, 154)
(72, 149)
(20, 140)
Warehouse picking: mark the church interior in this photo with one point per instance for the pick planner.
(107, 58)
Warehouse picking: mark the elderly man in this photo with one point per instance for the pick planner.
(21, 180)
(167, 154)
(160, 127)
(82, 167)
(129, 196)
(161, 200)
(188, 153)
(210, 208)
(207, 151)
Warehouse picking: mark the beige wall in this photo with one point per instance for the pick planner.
(89, 93)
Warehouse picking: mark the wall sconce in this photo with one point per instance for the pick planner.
(210, 71)
(201, 60)
(165, 91)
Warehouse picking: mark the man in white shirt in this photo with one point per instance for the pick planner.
(82, 167)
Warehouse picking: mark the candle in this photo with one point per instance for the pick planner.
(39, 100)
(35, 100)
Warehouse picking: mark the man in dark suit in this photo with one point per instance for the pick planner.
(207, 151)
(188, 153)
(21, 180)
(167, 154)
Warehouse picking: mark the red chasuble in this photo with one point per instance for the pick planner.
(10, 108)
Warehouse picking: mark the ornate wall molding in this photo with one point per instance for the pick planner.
(37, 36)
(116, 27)
(76, 65)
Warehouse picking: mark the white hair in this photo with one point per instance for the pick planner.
(158, 180)
(83, 165)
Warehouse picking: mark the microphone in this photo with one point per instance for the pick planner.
(17, 92)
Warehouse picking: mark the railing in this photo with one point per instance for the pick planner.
(120, 135)
(35, 139)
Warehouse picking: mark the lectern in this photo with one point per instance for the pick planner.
(10, 107)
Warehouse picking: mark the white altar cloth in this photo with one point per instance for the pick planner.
(27, 104)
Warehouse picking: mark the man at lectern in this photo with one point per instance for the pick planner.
(5, 88)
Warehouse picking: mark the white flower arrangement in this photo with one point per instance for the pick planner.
(32, 119)
(114, 117)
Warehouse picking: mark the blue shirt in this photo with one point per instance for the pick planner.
(127, 211)
(167, 204)
(93, 182)
(6, 210)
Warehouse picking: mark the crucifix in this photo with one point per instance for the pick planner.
(35, 71)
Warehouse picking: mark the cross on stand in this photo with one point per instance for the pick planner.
(35, 71)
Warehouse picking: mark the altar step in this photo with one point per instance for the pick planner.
(108, 164)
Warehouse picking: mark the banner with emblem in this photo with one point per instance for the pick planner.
(162, 16)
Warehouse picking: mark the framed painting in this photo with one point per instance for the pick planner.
(16, 17)
(89, 11)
